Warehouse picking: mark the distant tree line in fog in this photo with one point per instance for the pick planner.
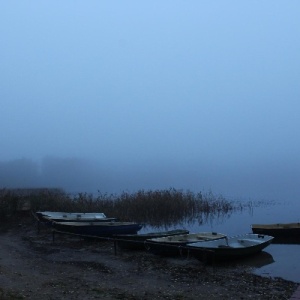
(70, 173)
(19, 173)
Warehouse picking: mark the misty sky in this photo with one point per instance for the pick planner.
(116, 95)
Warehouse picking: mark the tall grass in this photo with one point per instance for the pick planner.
(9, 205)
(155, 208)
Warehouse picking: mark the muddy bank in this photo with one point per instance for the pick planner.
(32, 266)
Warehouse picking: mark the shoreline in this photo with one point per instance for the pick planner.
(32, 266)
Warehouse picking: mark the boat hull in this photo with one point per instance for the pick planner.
(288, 230)
(97, 229)
(230, 248)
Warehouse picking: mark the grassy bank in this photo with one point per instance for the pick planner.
(155, 208)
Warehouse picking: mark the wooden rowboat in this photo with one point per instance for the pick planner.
(278, 230)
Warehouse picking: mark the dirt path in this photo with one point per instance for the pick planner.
(32, 266)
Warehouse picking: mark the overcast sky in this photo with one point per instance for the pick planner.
(191, 94)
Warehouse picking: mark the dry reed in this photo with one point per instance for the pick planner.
(154, 208)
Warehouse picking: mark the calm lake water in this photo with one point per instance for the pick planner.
(277, 260)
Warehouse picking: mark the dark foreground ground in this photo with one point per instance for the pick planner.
(32, 266)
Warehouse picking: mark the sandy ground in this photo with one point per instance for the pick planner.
(32, 266)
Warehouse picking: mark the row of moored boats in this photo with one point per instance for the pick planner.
(202, 245)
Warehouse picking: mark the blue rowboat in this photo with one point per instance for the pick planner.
(97, 229)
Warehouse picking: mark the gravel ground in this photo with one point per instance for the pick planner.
(32, 266)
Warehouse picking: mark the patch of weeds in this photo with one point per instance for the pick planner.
(9, 295)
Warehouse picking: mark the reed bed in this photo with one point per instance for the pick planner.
(154, 208)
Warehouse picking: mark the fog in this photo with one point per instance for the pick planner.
(111, 96)
(269, 182)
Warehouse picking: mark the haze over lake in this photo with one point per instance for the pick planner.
(256, 182)
(151, 95)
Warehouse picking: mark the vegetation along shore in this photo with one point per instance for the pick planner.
(33, 266)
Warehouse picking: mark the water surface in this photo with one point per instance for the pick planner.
(277, 260)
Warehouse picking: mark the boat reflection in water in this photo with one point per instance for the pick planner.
(256, 261)
(259, 260)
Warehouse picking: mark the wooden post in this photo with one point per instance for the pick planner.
(115, 246)
(38, 226)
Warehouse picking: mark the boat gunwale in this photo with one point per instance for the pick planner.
(238, 238)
